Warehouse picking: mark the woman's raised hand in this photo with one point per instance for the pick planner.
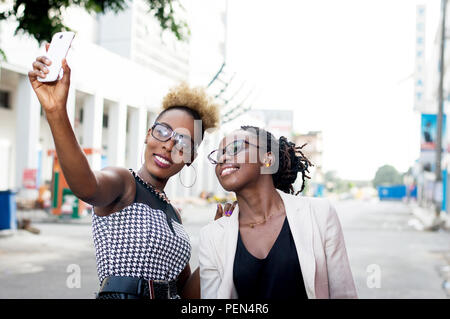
(51, 95)
(227, 210)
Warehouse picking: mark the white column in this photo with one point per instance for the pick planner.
(208, 180)
(71, 105)
(92, 128)
(197, 189)
(28, 111)
(198, 162)
(117, 121)
(137, 127)
(5, 165)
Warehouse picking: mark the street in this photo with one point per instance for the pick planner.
(389, 257)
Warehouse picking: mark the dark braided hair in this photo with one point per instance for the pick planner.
(290, 157)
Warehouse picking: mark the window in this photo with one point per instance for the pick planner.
(105, 120)
(5, 100)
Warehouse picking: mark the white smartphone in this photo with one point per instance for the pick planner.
(57, 51)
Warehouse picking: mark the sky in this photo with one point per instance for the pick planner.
(344, 67)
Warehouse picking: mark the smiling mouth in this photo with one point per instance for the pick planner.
(161, 162)
(228, 171)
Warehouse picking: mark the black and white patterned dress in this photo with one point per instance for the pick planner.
(145, 239)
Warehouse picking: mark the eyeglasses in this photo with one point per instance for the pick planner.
(163, 132)
(231, 149)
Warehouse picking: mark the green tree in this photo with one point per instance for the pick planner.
(42, 18)
(387, 175)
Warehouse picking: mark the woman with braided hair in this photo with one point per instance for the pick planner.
(275, 245)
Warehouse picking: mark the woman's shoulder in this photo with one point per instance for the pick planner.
(121, 171)
(214, 225)
(215, 229)
(305, 202)
(116, 178)
(319, 203)
(320, 208)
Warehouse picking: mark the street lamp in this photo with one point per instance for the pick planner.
(440, 115)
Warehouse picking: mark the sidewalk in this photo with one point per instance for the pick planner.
(29, 262)
(426, 221)
(413, 264)
(41, 216)
(427, 218)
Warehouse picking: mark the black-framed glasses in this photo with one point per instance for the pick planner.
(231, 149)
(163, 132)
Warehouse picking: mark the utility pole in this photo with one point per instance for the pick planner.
(440, 108)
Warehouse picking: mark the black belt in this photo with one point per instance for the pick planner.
(140, 287)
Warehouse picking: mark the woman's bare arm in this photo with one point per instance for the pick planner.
(96, 188)
(189, 284)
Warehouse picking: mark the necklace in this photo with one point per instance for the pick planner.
(161, 194)
(252, 225)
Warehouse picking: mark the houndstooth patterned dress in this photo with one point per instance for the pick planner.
(142, 240)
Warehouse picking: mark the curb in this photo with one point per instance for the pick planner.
(40, 216)
(7, 233)
(428, 220)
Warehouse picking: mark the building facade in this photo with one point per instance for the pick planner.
(122, 66)
(313, 150)
(426, 102)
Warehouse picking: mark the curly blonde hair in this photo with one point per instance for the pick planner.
(196, 99)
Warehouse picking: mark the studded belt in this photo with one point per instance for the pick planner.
(138, 287)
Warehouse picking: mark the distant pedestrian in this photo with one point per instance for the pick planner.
(142, 249)
(275, 245)
(427, 134)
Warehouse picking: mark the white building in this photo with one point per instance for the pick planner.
(121, 69)
(313, 150)
(428, 36)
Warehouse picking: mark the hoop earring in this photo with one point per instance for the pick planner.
(195, 173)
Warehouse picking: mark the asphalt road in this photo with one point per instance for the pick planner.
(389, 258)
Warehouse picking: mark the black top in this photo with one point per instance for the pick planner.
(278, 276)
(145, 194)
(143, 240)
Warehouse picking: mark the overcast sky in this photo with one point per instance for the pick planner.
(345, 67)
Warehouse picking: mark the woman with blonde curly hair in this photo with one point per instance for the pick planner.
(142, 249)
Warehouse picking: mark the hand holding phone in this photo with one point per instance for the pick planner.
(57, 51)
(51, 92)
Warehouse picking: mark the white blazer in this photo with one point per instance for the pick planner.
(318, 239)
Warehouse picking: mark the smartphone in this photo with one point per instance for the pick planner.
(57, 51)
